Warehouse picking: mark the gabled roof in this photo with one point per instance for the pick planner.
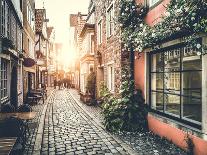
(39, 19)
(85, 27)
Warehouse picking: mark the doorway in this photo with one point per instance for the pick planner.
(13, 89)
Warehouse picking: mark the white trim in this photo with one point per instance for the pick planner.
(109, 63)
(111, 78)
(100, 38)
(4, 56)
(110, 8)
(151, 2)
(146, 79)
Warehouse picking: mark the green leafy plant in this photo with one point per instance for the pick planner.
(91, 84)
(182, 18)
(127, 111)
(190, 145)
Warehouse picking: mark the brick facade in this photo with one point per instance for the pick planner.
(110, 48)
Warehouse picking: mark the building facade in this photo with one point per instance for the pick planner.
(51, 58)
(11, 56)
(77, 22)
(108, 53)
(172, 78)
(87, 49)
(41, 46)
(29, 69)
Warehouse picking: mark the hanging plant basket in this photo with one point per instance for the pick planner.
(28, 62)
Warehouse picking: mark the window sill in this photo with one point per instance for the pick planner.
(179, 125)
(170, 118)
(155, 5)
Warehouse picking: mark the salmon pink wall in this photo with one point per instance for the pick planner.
(163, 129)
(154, 14)
(176, 135)
(139, 72)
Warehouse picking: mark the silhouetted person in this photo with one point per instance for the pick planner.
(59, 84)
(55, 83)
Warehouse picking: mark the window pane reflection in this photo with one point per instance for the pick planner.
(157, 101)
(176, 77)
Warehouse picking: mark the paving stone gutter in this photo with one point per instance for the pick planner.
(39, 135)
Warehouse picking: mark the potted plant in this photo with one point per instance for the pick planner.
(90, 88)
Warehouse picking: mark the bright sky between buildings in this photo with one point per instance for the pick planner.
(58, 14)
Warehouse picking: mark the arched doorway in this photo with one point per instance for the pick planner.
(13, 89)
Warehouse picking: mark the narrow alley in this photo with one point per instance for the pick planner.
(65, 125)
(69, 129)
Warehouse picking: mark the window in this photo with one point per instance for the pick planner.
(13, 29)
(30, 16)
(100, 32)
(176, 82)
(110, 21)
(92, 45)
(4, 79)
(19, 38)
(8, 22)
(4, 10)
(153, 2)
(110, 76)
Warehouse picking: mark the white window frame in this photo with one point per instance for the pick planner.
(30, 16)
(4, 79)
(4, 18)
(153, 2)
(92, 44)
(110, 77)
(99, 26)
(110, 20)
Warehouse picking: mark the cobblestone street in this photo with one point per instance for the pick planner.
(65, 125)
(69, 130)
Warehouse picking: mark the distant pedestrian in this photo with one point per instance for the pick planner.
(55, 83)
(59, 84)
(68, 83)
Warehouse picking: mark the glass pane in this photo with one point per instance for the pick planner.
(157, 101)
(157, 81)
(191, 83)
(192, 95)
(172, 60)
(172, 82)
(157, 62)
(172, 103)
(192, 63)
(192, 108)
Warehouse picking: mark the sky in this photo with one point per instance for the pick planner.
(58, 11)
(58, 14)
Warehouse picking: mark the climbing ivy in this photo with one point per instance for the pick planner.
(127, 111)
(182, 18)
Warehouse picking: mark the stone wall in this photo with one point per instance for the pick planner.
(110, 48)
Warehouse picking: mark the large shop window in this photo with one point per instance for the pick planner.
(4, 79)
(176, 80)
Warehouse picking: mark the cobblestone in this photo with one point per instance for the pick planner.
(71, 127)
(69, 130)
(143, 143)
